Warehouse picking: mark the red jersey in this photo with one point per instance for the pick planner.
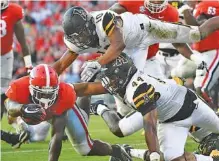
(210, 8)
(9, 17)
(170, 14)
(18, 91)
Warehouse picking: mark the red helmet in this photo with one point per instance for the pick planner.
(44, 85)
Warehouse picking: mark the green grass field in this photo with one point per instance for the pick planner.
(98, 130)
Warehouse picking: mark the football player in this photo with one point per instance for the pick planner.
(28, 96)
(176, 108)
(160, 65)
(209, 47)
(106, 32)
(208, 143)
(11, 22)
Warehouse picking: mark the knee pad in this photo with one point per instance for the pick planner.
(131, 123)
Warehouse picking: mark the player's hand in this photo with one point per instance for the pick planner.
(33, 114)
(90, 70)
(185, 7)
(154, 156)
(105, 81)
(28, 69)
(202, 69)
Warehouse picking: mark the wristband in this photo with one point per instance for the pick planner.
(27, 61)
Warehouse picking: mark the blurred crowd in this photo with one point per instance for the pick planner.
(42, 22)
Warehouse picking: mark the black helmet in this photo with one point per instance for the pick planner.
(79, 28)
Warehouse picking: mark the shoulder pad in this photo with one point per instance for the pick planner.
(18, 90)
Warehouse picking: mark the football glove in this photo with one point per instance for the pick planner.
(91, 68)
(33, 114)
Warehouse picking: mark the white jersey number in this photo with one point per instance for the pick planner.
(3, 26)
(211, 10)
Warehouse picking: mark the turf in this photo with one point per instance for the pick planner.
(98, 130)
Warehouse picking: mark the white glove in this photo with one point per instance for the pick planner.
(154, 156)
(182, 9)
(197, 58)
(105, 81)
(90, 69)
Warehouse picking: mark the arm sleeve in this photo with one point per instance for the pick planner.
(19, 13)
(12, 107)
(163, 32)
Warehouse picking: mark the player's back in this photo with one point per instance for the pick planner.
(9, 17)
(171, 96)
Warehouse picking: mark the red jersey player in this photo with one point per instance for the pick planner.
(158, 10)
(209, 47)
(10, 22)
(42, 88)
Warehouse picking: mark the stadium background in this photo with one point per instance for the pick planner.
(44, 35)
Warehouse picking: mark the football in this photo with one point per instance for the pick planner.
(33, 114)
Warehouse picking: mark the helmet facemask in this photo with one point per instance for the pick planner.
(156, 6)
(45, 96)
(87, 36)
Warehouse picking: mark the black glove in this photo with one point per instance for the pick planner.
(93, 106)
(33, 114)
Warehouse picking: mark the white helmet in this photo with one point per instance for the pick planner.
(156, 6)
(4, 4)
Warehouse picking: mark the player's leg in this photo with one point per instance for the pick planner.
(204, 82)
(6, 76)
(120, 123)
(14, 139)
(38, 132)
(77, 132)
(203, 116)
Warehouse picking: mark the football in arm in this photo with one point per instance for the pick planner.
(33, 114)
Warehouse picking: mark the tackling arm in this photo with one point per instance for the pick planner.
(19, 32)
(65, 61)
(115, 49)
(86, 89)
(55, 146)
(209, 26)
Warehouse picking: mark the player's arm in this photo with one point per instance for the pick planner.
(65, 61)
(20, 35)
(183, 49)
(116, 47)
(150, 122)
(13, 108)
(191, 20)
(87, 89)
(55, 146)
(209, 26)
(118, 8)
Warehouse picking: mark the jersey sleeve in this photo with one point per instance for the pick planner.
(108, 23)
(18, 90)
(126, 4)
(19, 12)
